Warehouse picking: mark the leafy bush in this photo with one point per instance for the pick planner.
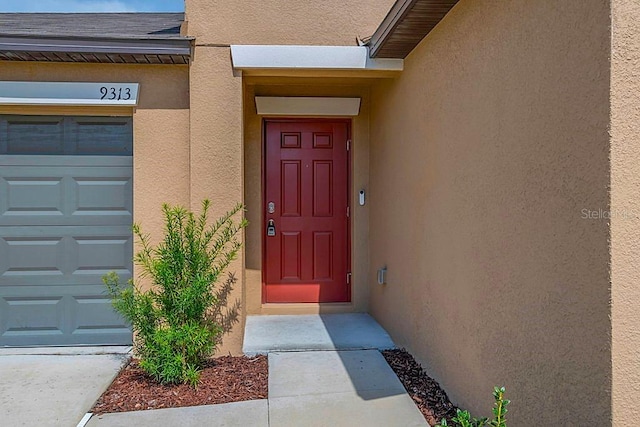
(179, 322)
(464, 418)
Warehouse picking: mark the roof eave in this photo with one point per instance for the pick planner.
(395, 15)
(108, 50)
(406, 24)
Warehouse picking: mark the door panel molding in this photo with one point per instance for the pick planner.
(312, 202)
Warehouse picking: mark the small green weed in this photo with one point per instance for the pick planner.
(464, 418)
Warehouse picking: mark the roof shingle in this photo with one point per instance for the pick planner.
(137, 26)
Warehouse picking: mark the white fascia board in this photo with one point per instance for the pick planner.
(69, 94)
(306, 106)
(253, 57)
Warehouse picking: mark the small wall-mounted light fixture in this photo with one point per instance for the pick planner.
(361, 197)
(382, 276)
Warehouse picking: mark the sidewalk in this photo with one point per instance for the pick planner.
(54, 387)
(324, 371)
(337, 388)
(343, 381)
(311, 388)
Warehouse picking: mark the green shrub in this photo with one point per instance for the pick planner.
(464, 418)
(179, 322)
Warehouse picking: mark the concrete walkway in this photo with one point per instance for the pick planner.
(337, 388)
(344, 381)
(53, 387)
(306, 389)
(252, 413)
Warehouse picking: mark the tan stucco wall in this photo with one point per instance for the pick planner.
(625, 204)
(216, 121)
(306, 22)
(216, 151)
(483, 155)
(253, 123)
(226, 161)
(160, 126)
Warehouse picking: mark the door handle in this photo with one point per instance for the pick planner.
(271, 228)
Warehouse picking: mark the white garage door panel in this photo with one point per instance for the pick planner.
(65, 221)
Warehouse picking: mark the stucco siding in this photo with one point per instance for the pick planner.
(625, 205)
(485, 153)
(216, 157)
(217, 112)
(305, 22)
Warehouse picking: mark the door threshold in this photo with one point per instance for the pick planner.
(307, 308)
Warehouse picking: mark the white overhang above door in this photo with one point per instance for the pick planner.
(277, 60)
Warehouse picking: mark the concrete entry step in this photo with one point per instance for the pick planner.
(353, 331)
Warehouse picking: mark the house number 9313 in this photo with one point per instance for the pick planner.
(115, 93)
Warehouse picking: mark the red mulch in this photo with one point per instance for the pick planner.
(427, 394)
(224, 379)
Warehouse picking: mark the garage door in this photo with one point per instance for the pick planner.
(65, 221)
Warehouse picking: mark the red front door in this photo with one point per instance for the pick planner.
(306, 211)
